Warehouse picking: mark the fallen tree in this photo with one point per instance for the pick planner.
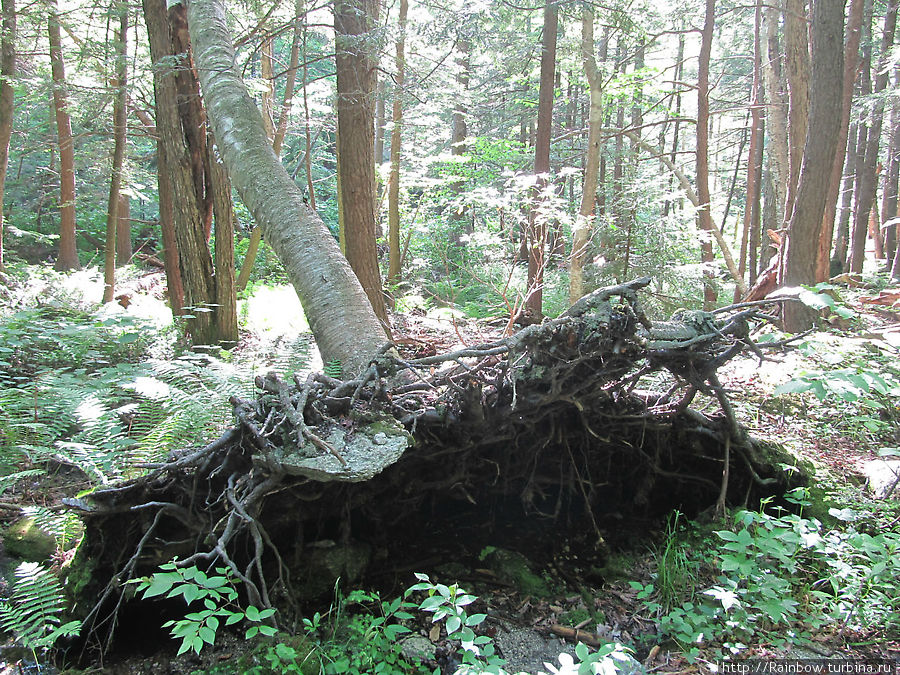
(569, 421)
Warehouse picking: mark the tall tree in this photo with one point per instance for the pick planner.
(397, 119)
(355, 41)
(584, 222)
(118, 159)
(184, 151)
(7, 100)
(68, 253)
(825, 92)
(340, 316)
(704, 210)
(537, 221)
(796, 47)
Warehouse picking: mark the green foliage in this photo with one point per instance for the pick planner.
(780, 577)
(218, 596)
(364, 642)
(676, 570)
(32, 611)
(479, 656)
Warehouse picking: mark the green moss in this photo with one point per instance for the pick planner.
(25, 540)
(515, 569)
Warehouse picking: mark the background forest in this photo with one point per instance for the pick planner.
(481, 166)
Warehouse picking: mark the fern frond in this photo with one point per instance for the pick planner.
(32, 612)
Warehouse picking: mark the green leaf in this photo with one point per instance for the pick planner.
(453, 624)
(159, 584)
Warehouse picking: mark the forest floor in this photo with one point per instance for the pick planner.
(565, 587)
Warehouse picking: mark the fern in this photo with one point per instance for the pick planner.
(65, 525)
(32, 612)
(7, 480)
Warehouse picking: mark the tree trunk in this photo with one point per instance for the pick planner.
(891, 180)
(354, 25)
(223, 211)
(7, 101)
(291, 82)
(585, 219)
(267, 74)
(754, 161)
(123, 231)
(805, 228)
(537, 222)
(776, 119)
(841, 244)
(851, 59)
(174, 285)
(394, 185)
(868, 181)
(704, 214)
(118, 159)
(342, 320)
(796, 46)
(68, 253)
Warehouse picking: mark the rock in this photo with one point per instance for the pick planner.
(417, 648)
(26, 541)
(515, 569)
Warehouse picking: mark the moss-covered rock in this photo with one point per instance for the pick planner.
(515, 568)
(26, 541)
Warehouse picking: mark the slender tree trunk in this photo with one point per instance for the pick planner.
(223, 211)
(7, 100)
(118, 159)
(704, 214)
(537, 222)
(354, 24)
(123, 231)
(891, 180)
(679, 69)
(68, 254)
(804, 230)
(851, 59)
(380, 113)
(868, 181)
(842, 240)
(267, 74)
(342, 320)
(394, 186)
(585, 220)
(291, 81)
(776, 118)
(754, 161)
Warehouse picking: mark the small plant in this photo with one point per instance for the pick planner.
(218, 596)
(31, 614)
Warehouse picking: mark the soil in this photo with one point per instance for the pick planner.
(582, 589)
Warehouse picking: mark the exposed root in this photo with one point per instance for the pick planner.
(571, 417)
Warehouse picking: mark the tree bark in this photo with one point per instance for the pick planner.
(776, 119)
(223, 212)
(796, 46)
(123, 231)
(342, 320)
(354, 25)
(394, 184)
(536, 232)
(891, 180)
(118, 158)
(826, 85)
(754, 161)
(842, 239)
(585, 219)
(171, 260)
(68, 253)
(704, 214)
(7, 98)
(851, 59)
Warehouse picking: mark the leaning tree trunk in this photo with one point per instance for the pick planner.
(340, 316)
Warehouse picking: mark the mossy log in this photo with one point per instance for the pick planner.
(572, 420)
